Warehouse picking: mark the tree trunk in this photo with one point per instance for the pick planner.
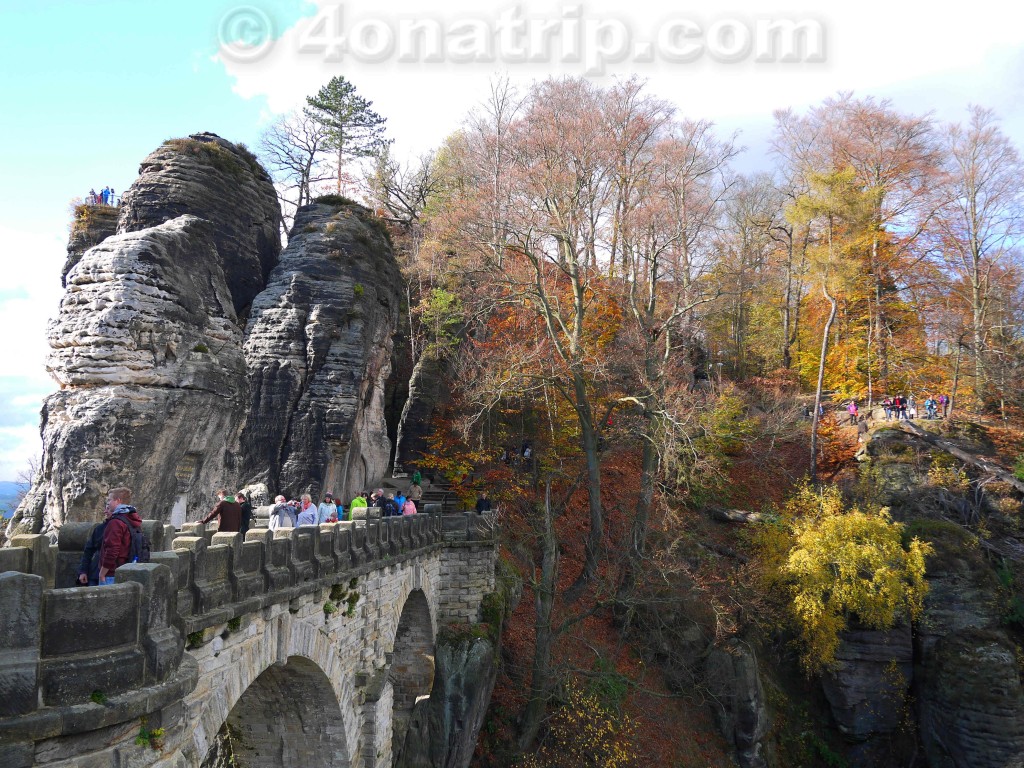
(543, 600)
(821, 381)
(595, 537)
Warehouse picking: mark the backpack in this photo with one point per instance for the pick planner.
(139, 549)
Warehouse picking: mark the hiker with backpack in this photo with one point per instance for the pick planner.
(89, 567)
(123, 539)
(228, 510)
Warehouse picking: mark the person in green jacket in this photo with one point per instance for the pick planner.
(358, 501)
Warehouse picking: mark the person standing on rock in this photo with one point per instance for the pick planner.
(281, 514)
(117, 536)
(89, 567)
(243, 502)
(228, 510)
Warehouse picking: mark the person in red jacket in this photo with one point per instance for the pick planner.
(117, 536)
(228, 510)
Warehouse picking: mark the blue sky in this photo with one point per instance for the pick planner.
(91, 87)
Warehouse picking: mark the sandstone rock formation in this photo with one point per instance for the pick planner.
(426, 393)
(318, 349)
(92, 225)
(147, 346)
(443, 728)
(147, 351)
(223, 183)
(740, 709)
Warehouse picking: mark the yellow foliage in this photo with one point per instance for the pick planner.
(846, 564)
(583, 733)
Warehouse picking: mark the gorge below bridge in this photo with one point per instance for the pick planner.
(312, 646)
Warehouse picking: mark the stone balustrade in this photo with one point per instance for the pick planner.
(72, 657)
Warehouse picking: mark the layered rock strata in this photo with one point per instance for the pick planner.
(223, 183)
(318, 348)
(147, 345)
(147, 350)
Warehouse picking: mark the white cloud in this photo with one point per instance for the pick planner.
(871, 47)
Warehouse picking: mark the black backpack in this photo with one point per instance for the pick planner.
(140, 548)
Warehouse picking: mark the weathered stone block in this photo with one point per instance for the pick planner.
(72, 679)
(20, 628)
(90, 618)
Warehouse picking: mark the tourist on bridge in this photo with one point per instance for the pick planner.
(117, 537)
(281, 515)
(390, 507)
(483, 504)
(228, 511)
(416, 493)
(327, 512)
(340, 513)
(246, 507)
(358, 502)
(307, 511)
(409, 508)
(89, 567)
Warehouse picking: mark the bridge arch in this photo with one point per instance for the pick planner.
(289, 715)
(285, 665)
(411, 672)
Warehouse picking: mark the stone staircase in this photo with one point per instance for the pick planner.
(438, 497)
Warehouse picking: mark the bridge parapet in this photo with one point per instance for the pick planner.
(74, 659)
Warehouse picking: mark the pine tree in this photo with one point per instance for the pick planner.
(353, 128)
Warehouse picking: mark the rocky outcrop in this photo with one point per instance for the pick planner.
(866, 689)
(969, 693)
(318, 348)
(443, 729)
(223, 183)
(147, 347)
(147, 350)
(732, 677)
(91, 226)
(427, 390)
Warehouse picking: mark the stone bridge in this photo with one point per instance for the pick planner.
(302, 647)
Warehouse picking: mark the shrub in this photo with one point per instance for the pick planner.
(847, 564)
(358, 289)
(335, 200)
(582, 733)
(200, 347)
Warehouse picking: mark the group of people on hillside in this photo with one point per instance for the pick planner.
(903, 407)
(106, 196)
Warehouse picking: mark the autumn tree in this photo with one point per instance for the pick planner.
(980, 224)
(293, 148)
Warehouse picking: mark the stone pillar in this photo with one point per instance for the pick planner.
(41, 560)
(21, 600)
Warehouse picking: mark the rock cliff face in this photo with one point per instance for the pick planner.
(181, 333)
(442, 731)
(426, 393)
(92, 225)
(147, 346)
(147, 350)
(318, 348)
(223, 183)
